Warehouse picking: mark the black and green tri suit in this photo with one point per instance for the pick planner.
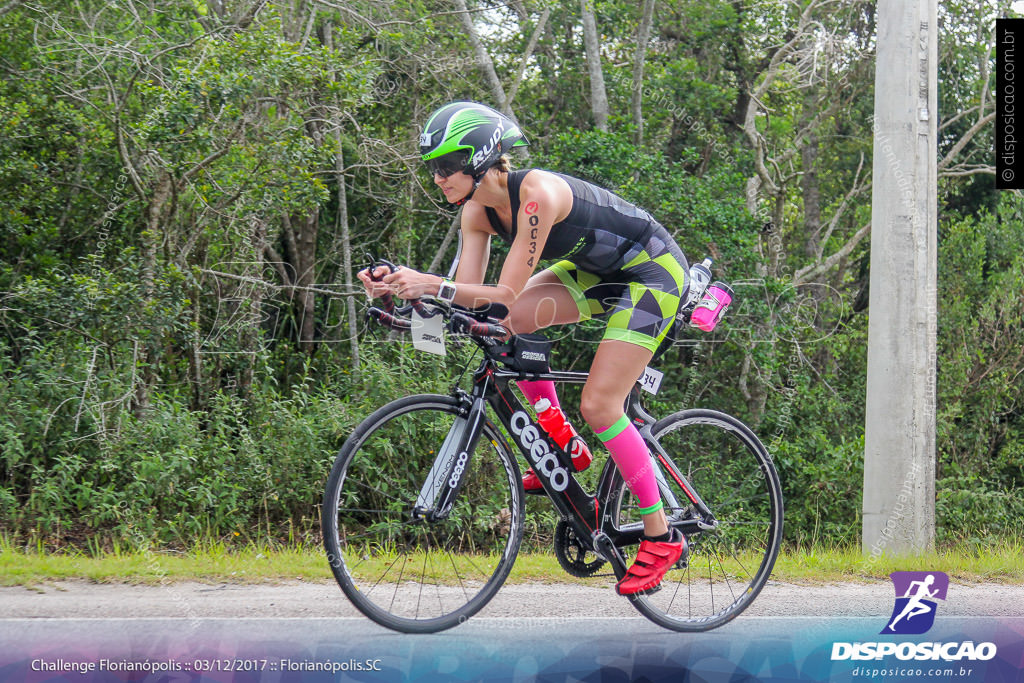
(617, 261)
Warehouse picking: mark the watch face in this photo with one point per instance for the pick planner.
(447, 292)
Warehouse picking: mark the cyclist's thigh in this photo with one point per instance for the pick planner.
(616, 368)
(545, 301)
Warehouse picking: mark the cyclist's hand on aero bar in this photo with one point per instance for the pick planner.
(407, 283)
(373, 281)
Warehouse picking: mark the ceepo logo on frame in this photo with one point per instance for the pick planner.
(914, 613)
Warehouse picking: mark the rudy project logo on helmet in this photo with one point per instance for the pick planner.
(482, 154)
(914, 610)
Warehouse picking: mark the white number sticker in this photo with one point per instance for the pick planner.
(427, 333)
(651, 380)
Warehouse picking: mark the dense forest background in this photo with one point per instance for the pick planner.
(189, 186)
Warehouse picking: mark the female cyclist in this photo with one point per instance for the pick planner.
(616, 261)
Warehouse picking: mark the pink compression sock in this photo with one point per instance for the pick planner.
(630, 454)
(534, 391)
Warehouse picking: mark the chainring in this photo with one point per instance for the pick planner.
(572, 553)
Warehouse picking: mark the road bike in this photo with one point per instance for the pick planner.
(423, 513)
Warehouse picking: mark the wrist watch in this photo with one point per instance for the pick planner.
(446, 292)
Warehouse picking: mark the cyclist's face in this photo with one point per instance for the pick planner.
(455, 186)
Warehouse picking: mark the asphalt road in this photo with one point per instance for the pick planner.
(299, 599)
(302, 631)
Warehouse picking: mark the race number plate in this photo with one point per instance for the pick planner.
(427, 333)
(651, 380)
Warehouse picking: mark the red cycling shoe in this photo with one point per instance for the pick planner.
(653, 559)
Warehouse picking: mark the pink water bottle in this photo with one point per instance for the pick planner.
(712, 307)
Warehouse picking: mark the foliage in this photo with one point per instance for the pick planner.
(184, 183)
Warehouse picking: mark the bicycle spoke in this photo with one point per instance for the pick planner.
(443, 566)
(675, 592)
(711, 585)
(741, 490)
(465, 593)
(401, 572)
(382, 576)
(374, 489)
(725, 575)
(423, 575)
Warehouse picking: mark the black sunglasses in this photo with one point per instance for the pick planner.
(448, 164)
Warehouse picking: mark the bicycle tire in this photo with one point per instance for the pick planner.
(732, 472)
(409, 574)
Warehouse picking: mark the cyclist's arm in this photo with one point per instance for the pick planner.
(544, 199)
(476, 245)
(409, 283)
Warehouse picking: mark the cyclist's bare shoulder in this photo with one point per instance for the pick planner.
(543, 186)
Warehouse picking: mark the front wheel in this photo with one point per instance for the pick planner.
(409, 571)
(726, 465)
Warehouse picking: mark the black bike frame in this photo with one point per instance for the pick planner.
(583, 512)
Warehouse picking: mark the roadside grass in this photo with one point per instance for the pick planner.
(215, 562)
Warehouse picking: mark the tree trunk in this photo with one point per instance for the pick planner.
(809, 181)
(346, 252)
(453, 230)
(195, 358)
(598, 97)
(305, 276)
(150, 242)
(642, 36)
(483, 59)
(524, 63)
(342, 230)
(300, 255)
(251, 330)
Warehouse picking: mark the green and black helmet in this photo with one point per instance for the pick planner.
(467, 137)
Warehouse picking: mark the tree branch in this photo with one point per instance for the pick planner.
(643, 35)
(598, 94)
(9, 6)
(269, 285)
(958, 171)
(243, 19)
(841, 209)
(484, 60)
(962, 142)
(400, 22)
(531, 46)
(815, 269)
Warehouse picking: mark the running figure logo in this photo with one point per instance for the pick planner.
(914, 611)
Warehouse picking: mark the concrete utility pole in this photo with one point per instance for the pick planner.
(899, 443)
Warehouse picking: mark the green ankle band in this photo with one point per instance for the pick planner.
(652, 508)
(613, 431)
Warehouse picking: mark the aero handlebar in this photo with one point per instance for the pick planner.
(458, 322)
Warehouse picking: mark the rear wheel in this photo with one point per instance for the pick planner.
(398, 567)
(728, 467)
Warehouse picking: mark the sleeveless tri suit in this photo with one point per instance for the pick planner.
(616, 260)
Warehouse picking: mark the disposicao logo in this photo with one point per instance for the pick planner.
(913, 614)
(916, 593)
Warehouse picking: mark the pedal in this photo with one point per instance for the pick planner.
(604, 547)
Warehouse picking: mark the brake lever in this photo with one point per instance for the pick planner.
(386, 299)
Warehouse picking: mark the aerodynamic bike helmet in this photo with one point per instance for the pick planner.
(467, 137)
